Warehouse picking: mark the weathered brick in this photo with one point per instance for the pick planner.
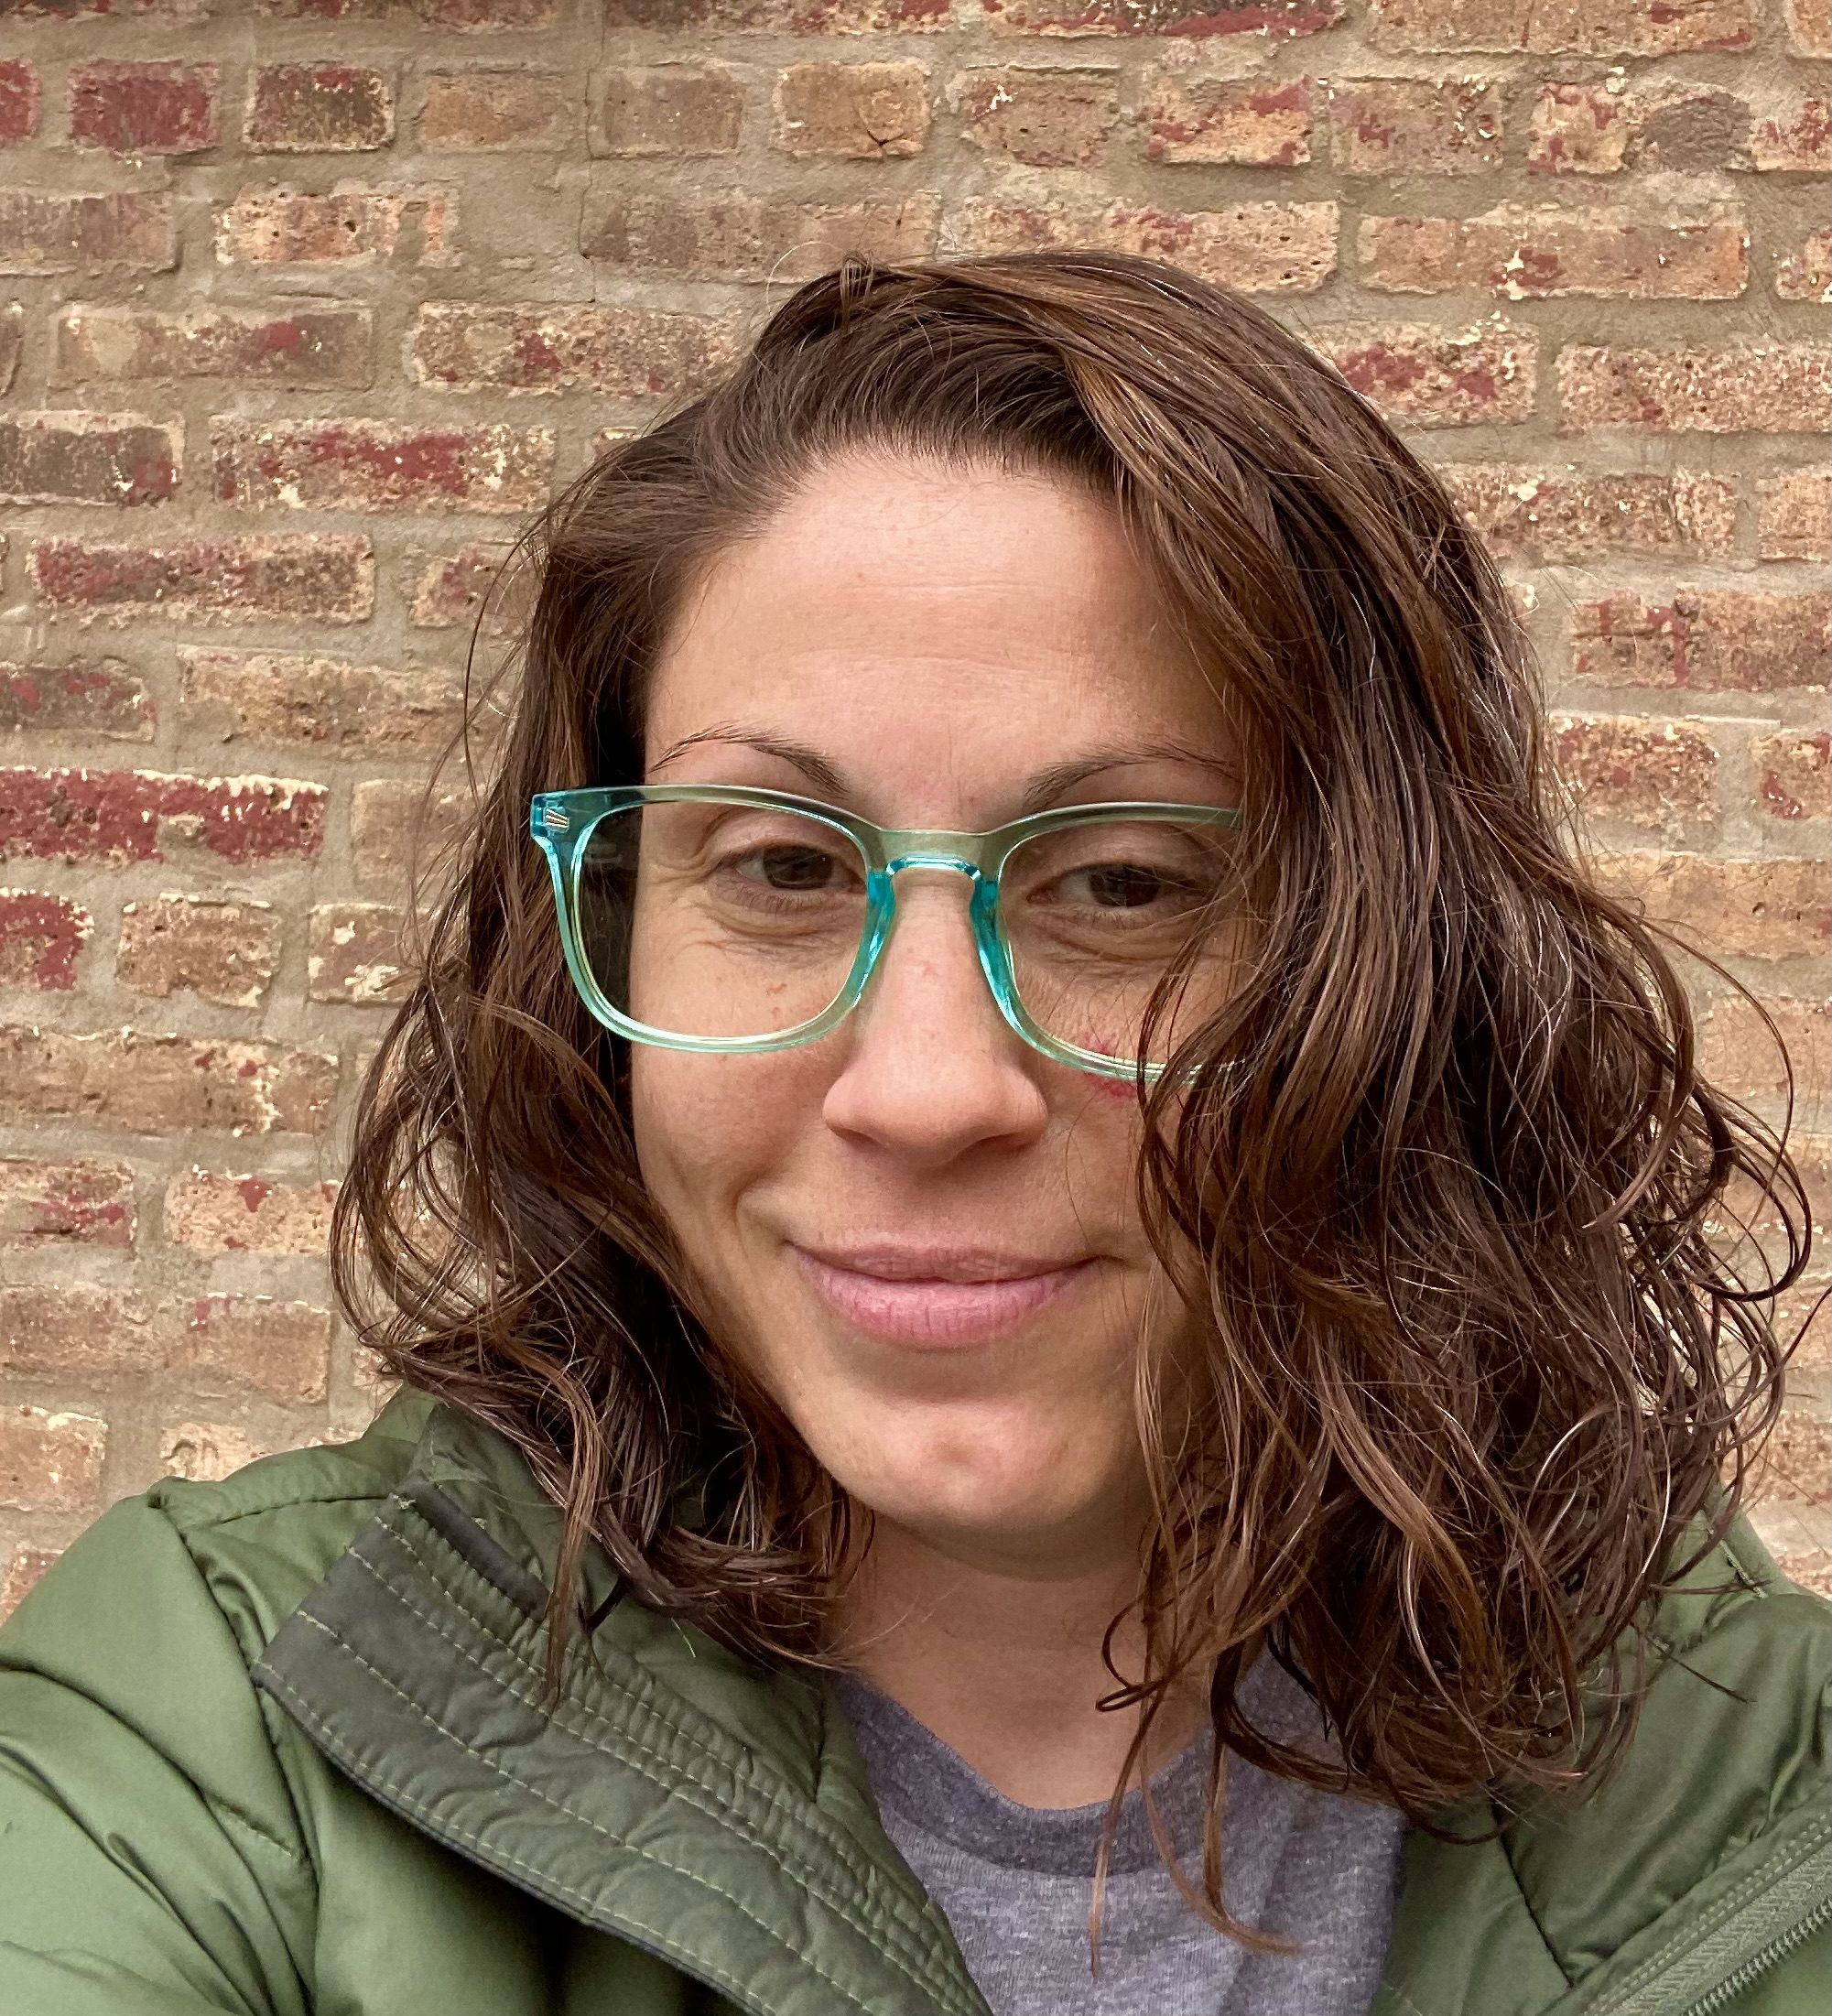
(1796, 1460)
(1589, 27)
(1720, 639)
(1805, 1313)
(318, 108)
(205, 1452)
(225, 951)
(1740, 1056)
(324, 703)
(348, 227)
(18, 101)
(1248, 122)
(307, 345)
(393, 831)
(123, 230)
(254, 1343)
(1045, 118)
(164, 13)
(1760, 387)
(1579, 129)
(668, 108)
(1262, 248)
(88, 457)
(1680, 125)
(1809, 26)
(781, 16)
(1525, 515)
(119, 816)
(1411, 127)
(248, 1214)
(163, 1084)
(40, 935)
(49, 1462)
(1793, 778)
(623, 353)
(26, 1565)
(145, 108)
(1656, 774)
(74, 1330)
(354, 952)
(1805, 275)
(94, 697)
(1426, 376)
(1533, 253)
(855, 112)
(65, 1203)
(1794, 139)
(373, 465)
(466, 16)
(470, 588)
(739, 237)
(1775, 908)
(317, 577)
(1794, 516)
(472, 110)
(1277, 20)
(12, 341)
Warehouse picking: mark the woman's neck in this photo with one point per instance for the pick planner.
(1004, 1666)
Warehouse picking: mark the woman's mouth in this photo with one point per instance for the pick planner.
(940, 1300)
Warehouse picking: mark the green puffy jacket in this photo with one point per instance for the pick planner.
(275, 1746)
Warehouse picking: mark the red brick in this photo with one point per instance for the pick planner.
(40, 935)
(623, 353)
(781, 16)
(1656, 774)
(1797, 1461)
(348, 227)
(52, 1204)
(1679, 126)
(493, 111)
(1408, 127)
(205, 1452)
(1806, 274)
(87, 457)
(163, 1084)
(1579, 129)
(1262, 248)
(27, 1566)
(1794, 516)
(248, 1214)
(354, 952)
(18, 103)
(307, 345)
(1740, 1056)
(1775, 908)
(324, 578)
(236, 1342)
(391, 831)
(49, 1462)
(1710, 639)
(1426, 376)
(739, 237)
(1045, 118)
(372, 465)
(118, 816)
(853, 111)
(167, 12)
(1793, 778)
(1277, 20)
(223, 951)
(98, 697)
(1253, 122)
(458, 590)
(1760, 387)
(74, 1330)
(1809, 26)
(1526, 254)
(1796, 139)
(1541, 518)
(319, 108)
(145, 108)
(1590, 27)
(466, 16)
(322, 703)
(668, 108)
(123, 230)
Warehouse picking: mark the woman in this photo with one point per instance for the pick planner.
(1216, 1301)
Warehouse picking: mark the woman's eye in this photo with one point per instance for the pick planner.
(790, 868)
(1124, 885)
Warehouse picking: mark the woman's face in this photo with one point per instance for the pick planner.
(921, 646)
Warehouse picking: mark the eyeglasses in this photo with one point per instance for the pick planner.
(715, 917)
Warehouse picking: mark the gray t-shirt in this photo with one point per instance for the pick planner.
(1016, 1882)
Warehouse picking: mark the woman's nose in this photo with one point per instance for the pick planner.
(931, 1066)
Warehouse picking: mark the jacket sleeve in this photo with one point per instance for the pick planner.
(150, 1859)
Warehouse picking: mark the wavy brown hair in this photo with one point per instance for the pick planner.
(1446, 1194)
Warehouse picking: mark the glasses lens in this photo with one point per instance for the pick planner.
(1096, 916)
(709, 920)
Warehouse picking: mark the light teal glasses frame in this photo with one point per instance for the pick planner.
(562, 822)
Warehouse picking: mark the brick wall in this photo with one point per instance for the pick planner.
(303, 302)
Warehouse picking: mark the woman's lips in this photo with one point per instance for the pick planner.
(929, 1311)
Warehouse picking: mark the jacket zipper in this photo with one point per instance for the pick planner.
(1771, 1955)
